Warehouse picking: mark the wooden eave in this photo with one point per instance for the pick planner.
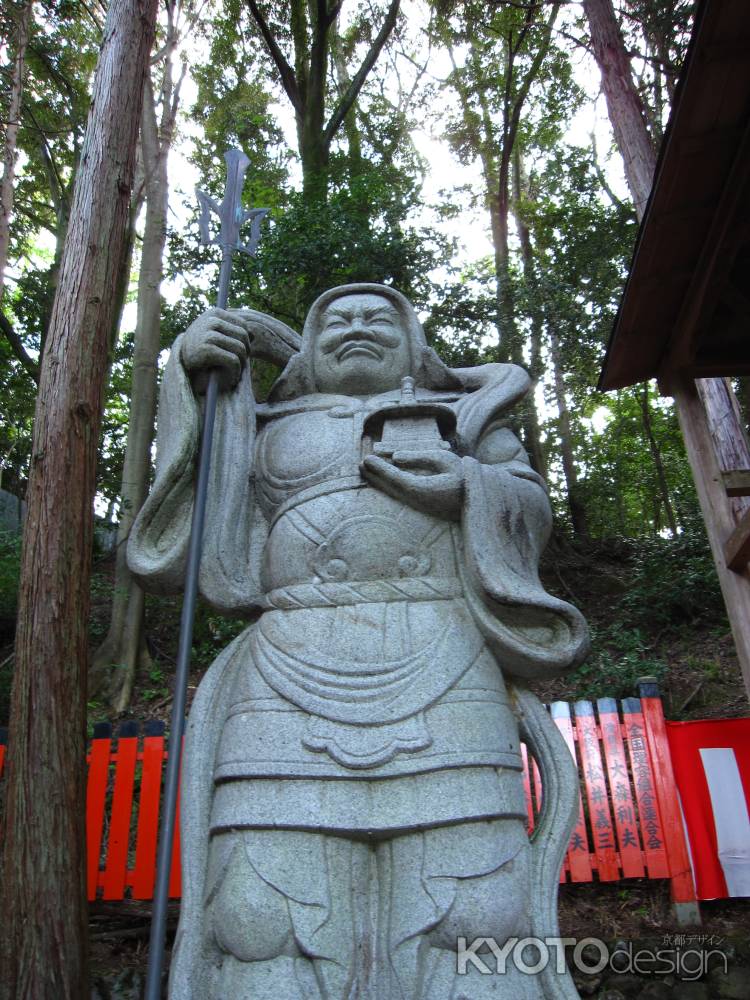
(686, 305)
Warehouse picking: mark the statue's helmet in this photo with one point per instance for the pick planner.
(298, 378)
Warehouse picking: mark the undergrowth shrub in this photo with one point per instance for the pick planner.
(10, 566)
(669, 585)
(673, 582)
(619, 657)
(212, 633)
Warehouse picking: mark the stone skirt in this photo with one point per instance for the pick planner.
(447, 752)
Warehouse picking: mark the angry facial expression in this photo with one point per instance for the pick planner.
(362, 347)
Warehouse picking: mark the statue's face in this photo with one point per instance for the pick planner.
(362, 347)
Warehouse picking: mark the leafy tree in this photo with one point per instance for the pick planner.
(354, 227)
(61, 53)
(310, 28)
(11, 135)
(509, 63)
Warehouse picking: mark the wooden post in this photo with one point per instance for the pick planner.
(728, 435)
(682, 885)
(718, 515)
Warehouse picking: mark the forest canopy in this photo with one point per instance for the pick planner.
(391, 144)
(459, 152)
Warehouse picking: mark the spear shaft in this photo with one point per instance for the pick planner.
(232, 217)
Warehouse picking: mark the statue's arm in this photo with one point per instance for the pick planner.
(235, 529)
(224, 339)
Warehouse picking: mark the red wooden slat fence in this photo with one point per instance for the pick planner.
(628, 825)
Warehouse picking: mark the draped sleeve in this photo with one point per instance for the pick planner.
(235, 530)
(506, 523)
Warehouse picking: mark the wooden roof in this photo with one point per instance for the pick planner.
(686, 304)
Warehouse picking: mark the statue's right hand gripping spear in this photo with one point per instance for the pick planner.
(232, 217)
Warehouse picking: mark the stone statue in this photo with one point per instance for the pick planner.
(352, 797)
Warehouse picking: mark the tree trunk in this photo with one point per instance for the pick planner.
(531, 417)
(11, 135)
(306, 84)
(43, 944)
(124, 651)
(578, 516)
(624, 105)
(658, 463)
(350, 125)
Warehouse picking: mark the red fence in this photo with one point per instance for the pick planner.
(629, 823)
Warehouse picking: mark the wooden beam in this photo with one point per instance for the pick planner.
(719, 245)
(690, 214)
(719, 520)
(707, 141)
(718, 366)
(737, 482)
(737, 548)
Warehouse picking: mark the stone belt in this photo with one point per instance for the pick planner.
(337, 594)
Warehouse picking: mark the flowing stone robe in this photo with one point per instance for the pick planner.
(367, 698)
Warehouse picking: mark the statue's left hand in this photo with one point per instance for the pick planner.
(430, 481)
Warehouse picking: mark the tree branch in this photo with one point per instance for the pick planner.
(288, 79)
(346, 102)
(618, 202)
(16, 345)
(539, 58)
(56, 183)
(333, 12)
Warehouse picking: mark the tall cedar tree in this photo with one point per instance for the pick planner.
(124, 649)
(44, 954)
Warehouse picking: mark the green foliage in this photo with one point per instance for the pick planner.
(10, 564)
(670, 585)
(212, 633)
(358, 235)
(461, 324)
(156, 686)
(674, 581)
(17, 401)
(620, 655)
(10, 568)
(620, 485)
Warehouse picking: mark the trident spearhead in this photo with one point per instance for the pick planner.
(232, 217)
(231, 214)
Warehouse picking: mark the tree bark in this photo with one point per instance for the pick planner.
(532, 431)
(124, 651)
(624, 105)
(11, 136)
(43, 946)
